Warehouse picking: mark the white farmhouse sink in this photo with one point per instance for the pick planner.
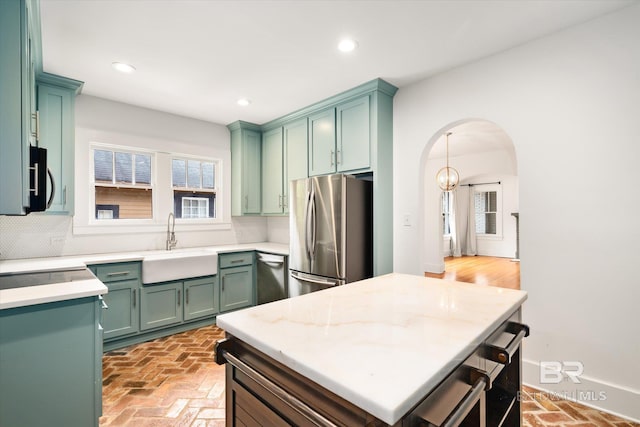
(178, 264)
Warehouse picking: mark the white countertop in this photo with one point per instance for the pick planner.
(79, 261)
(32, 295)
(383, 343)
(17, 297)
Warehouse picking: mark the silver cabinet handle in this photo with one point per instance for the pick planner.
(237, 261)
(178, 297)
(223, 283)
(36, 134)
(102, 303)
(331, 156)
(338, 157)
(118, 273)
(291, 401)
(134, 298)
(456, 417)
(186, 296)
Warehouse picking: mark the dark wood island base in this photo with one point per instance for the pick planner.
(482, 391)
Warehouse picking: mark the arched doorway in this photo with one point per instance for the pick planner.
(476, 219)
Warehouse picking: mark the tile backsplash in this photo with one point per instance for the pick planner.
(33, 236)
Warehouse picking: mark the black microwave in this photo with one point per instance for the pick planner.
(38, 172)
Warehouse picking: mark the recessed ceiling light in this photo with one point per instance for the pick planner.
(347, 45)
(122, 67)
(244, 102)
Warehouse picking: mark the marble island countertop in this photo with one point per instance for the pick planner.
(31, 295)
(382, 343)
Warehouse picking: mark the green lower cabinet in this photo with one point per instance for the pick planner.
(200, 298)
(122, 316)
(172, 303)
(50, 360)
(160, 305)
(236, 288)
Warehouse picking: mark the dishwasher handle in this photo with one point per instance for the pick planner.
(274, 260)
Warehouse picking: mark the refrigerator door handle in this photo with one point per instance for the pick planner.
(307, 225)
(312, 249)
(310, 280)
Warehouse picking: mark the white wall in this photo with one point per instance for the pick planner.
(571, 103)
(100, 120)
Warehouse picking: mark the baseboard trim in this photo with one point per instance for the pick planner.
(591, 392)
(434, 268)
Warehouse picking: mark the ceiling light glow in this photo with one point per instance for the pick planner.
(243, 102)
(347, 45)
(122, 67)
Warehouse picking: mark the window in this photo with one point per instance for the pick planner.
(446, 212)
(194, 188)
(486, 212)
(122, 181)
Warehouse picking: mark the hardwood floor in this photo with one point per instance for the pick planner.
(483, 270)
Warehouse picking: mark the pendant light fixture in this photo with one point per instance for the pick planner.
(447, 177)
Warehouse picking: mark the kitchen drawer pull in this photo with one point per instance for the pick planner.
(237, 261)
(467, 403)
(118, 273)
(103, 304)
(504, 355)
(291, 401)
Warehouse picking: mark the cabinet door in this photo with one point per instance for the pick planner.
(272, 170)
(322, 142)
(251, 153)
(236, 288)
(353, 135)
(200, 298)
(48, 361)
(121, 318)
(295, 154)
(55, 105)
(160, 305)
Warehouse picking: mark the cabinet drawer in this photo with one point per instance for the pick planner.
(236, 259)
(117, 272)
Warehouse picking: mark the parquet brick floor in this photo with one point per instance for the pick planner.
(170, 381)
(174, 381)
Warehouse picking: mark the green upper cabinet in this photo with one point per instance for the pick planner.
(322, 142)
(284, 158)
(295, 155)
(19, 61)
(339, 138)
(245, 168)
(353, 135)
(56, 104)
(272, 172)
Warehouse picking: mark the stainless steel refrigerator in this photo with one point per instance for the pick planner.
(331, 223)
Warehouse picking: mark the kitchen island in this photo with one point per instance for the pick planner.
(382, 351)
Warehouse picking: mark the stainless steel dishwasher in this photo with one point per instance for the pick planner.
(272, 278)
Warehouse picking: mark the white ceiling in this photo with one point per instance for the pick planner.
(196, 58)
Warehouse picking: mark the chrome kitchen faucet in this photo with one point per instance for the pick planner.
(171, 232)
